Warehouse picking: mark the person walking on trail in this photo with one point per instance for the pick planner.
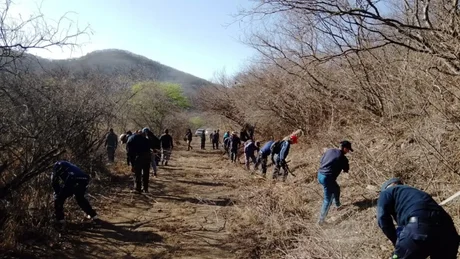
(188, 139)
(235, 144)
(124, 139)
(68, 180)
(203, 140)
(211, 136)
(215, 140)
(262, 158)
(227, 142)
(154, 144)
(226, 135)
(425, 228)
(167, 145)
(332, 163)
(111, 143)
(139, 148)
(280, 152)
(249, 148)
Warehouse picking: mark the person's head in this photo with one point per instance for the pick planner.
(390, 183)
(129, 133)
(257, 143)
(111, 130)
(234, 133)
(166, 131)
(189, 130)
(145, 131)
(217, 131)
(345, 146)
(214, 131)
(293, 139)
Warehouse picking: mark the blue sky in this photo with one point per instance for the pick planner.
(189, 35)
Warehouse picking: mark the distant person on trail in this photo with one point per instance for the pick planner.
(139, 149)
(211, 136)
(166, 147)
(235, 144)
(332, 163)
(249, 149)
(280, 152)
(203, 140)
(262, 158)
(111, 143)
(215, 140)
(68, 180)
(154, 144)
(124, 139)
(425, 228)
(227, 142)
(188, 138)
(226, 135)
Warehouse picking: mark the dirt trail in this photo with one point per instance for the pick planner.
(183, 216)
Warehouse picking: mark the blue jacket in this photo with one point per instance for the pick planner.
(400, 203)
(265, 150)
(285, 146)
(333, 162)
(138, 144)
(65, 175)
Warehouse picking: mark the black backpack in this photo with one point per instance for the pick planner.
(275, 148)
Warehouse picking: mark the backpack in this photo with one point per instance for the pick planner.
(275, 148)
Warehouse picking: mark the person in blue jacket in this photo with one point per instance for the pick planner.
(332, 163)
(249, 148)
(426, 228)
(68, 180)
(262, 158)
(279, 157)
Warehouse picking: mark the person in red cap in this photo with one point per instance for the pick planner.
(280, 153)
(333, 162)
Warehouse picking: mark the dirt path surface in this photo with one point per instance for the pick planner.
(184, 215)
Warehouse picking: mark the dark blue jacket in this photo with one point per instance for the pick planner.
(285, 146)
(250, 148)
(400, 203)
(235, 143)
(265, 150)
(65, 175)
(333, 162)
(137, 145)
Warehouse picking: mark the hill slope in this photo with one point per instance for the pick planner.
(121, 62)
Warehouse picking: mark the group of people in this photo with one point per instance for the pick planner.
(424, 227)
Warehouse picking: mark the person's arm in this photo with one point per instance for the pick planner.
(345, 165)
(55, 183)
(385, 208)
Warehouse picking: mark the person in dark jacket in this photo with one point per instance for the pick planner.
(166, 147)
(68, 180)
(235, 144)
(124, 141)
(154, 144)
(188, 139)
(279, 158)
(111, 143)
(426, 228)
(215, 140)
(139, 149)
(332, 163)
(203, 140)
(249, 148)
(262, 158)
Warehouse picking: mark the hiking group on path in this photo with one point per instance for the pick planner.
(424, 227)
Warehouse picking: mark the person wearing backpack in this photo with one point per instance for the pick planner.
(262, 158)
(332, 163)
(280, 151)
